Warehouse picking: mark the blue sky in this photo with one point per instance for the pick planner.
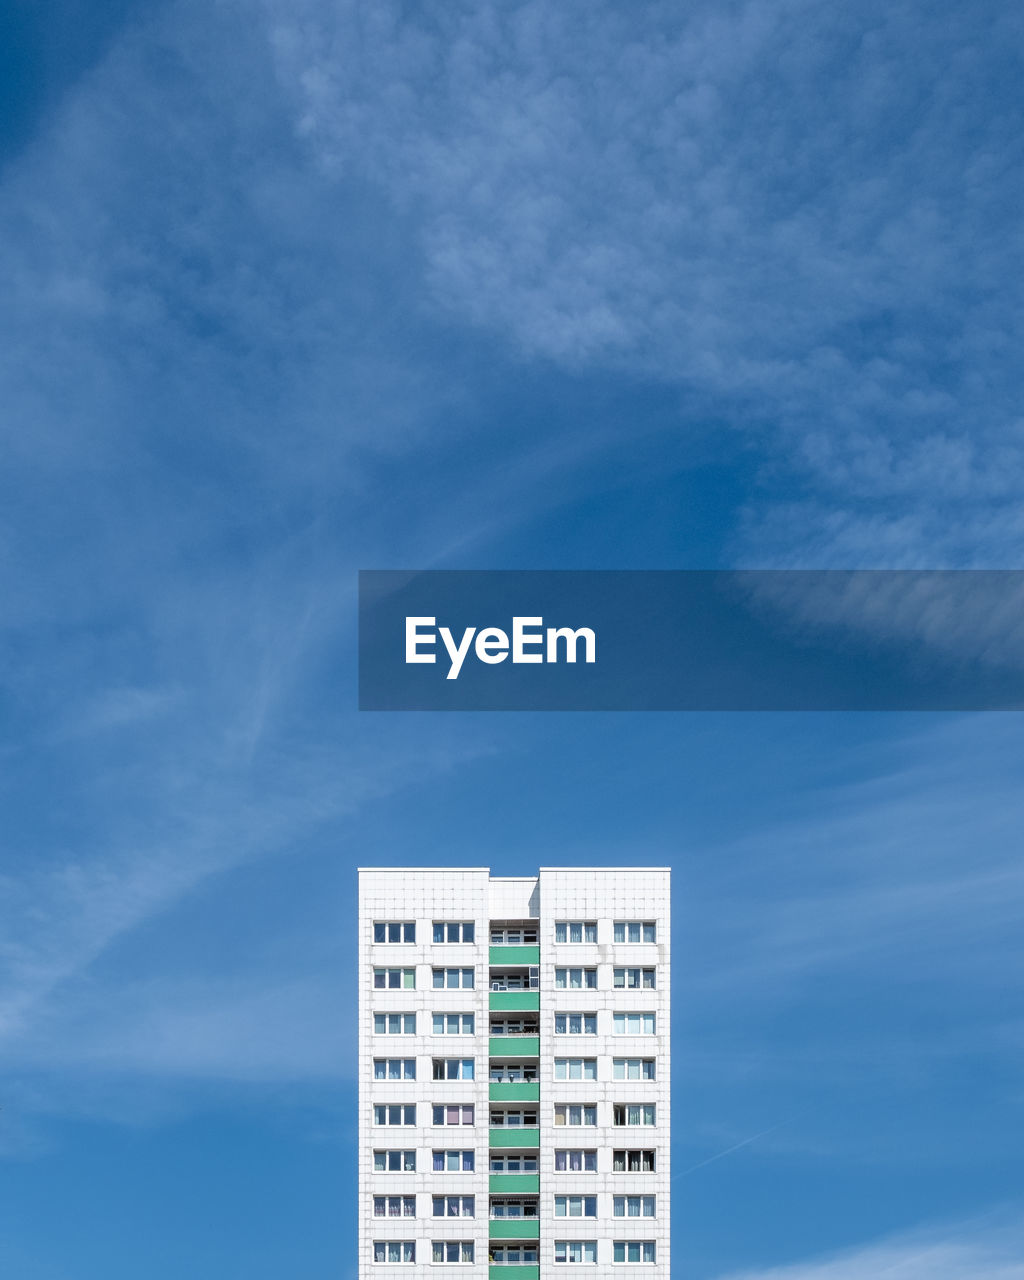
(295, 289)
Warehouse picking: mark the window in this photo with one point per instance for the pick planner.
(452, 1250)
(634, 978)
(575, 1068)
(513, 1254)
(575, 979)
(515, 1026)
(394, 1024)
(394, 1162)
(454, 1206)
(394, 1250)
(576, 931)
(453, 977)
(575, 1206)
(394, 1068)
(633, 1024)
(633, 1068)
(575, 1250)
(513, 1119)
(633, 1113)
(633, 1206)
(575, 1160)
(513, 1164)
(513, 1072)
(513, 1207)
(452, 1115)
(516, 981)
(514, 936)
(633, 1161)
(395, 1114)
(576, 1024)
(453, 1068)
(634, 931)
(394, 979)
(633, 1251)
(453, 1024)
(454, 1161)
(454, 931)
(574, 1113)
(394, 931)
(394, 1206)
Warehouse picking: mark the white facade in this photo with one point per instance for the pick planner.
(557, 1148)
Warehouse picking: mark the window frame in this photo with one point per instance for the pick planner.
(620, 1022)
(588, 1023)
(446, 926)
(407, 1165)
(405, 1202)
(404, 1065)
(408, 1248)
(585, 1246)
(405, 927)
(588, 931)
(387, 1019)
(588, 1162)
(462, 1246)
(446, 974)
(644, 1246)
(461, 1152)
(647, 929)
(643, 1199)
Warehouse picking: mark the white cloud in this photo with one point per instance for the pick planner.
(974, 1251)
(799, 212)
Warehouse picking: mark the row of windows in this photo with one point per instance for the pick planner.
(405, 979)
(623, 1024)
(568, 979)
(622, 931)
(514, 1072)
(623, 977)
(570, 1251)
(567, 1160)
(452, 931)
(465, 931)
(581, 1206)
(624, 1115)
(566, 1024)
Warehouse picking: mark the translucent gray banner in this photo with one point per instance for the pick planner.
(691, 640)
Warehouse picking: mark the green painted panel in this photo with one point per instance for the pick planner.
(515, 1138)
(510, 1182)
(512, 1091)
(515, 955)
(513, 1229)
(515, 1046)
(527, 1271)
(513, 1000)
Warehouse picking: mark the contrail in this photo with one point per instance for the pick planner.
(736, 1146)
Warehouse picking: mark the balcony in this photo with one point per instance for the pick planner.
(514, 1136)
(515, 1091)
(525, 1271)
(514, 1183)
(515, 955)
(513, 1229)
(514, 1001)
(514, 1046)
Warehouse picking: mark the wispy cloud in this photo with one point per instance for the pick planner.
(803, 214)
(992, 1250)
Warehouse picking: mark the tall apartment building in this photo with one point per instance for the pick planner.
(514, 1073)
